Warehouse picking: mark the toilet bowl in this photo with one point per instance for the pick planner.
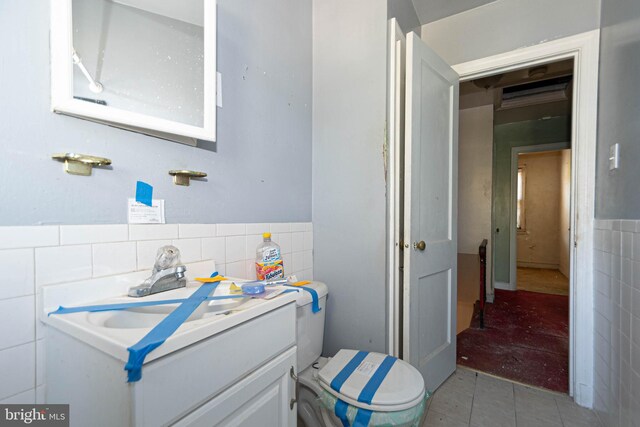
(351, 383)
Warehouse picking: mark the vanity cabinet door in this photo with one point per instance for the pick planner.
(261, 399)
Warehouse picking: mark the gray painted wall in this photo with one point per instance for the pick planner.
(617, 195)
(432, 10)
(349, 76)
(505, 137)
(261, 171)
(506, 25)
(405, 13)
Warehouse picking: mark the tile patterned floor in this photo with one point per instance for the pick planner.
(470, 399)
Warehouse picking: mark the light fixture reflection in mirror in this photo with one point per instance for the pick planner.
(141, 56)
(94, 86)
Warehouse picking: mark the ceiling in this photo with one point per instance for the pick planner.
(516, 77)
(432, 10)
(473, 96)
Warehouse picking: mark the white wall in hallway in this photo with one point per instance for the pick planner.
(475, 165)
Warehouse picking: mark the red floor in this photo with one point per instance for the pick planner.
(526, 339)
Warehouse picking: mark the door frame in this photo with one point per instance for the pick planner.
(513, 203)
(584, 50)
(394, 154)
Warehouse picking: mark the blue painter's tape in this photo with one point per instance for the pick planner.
(144, 193)
(369, 390)
(315, 301)
(346, 372)
(163, 330)
(363, 416)
(128, 305)
(341, 412)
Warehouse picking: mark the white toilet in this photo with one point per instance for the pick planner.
(400, 392)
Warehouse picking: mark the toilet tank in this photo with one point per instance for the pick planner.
(310, 325)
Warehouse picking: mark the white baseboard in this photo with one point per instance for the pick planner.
(549, 266)
(505, 286)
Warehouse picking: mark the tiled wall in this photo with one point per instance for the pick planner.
(617, 322)
(33, 257)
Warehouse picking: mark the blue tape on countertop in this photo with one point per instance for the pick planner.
(346, 372)
(369, 390)
(163, 330)
(315, 302)
(341, 412)
(363, 416)
(128, 305)
(144, 193)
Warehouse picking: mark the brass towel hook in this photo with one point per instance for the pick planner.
(183, 177)
(80, 164)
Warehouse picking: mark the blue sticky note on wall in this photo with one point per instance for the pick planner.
(144, 193)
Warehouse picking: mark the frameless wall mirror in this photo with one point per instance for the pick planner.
(143, 65)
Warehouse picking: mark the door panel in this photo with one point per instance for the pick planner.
(261, 399)
(430, 235)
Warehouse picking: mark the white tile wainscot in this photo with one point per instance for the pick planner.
(35, 256)
(617, 321)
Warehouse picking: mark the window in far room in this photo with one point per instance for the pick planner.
(520, 222)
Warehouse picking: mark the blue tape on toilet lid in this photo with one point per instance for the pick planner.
(401, 388)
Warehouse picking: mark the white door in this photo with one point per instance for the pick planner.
(430, 217)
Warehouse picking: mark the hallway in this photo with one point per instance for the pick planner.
(526, 339)
(542, 280)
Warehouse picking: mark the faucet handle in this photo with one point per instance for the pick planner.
(167, 256)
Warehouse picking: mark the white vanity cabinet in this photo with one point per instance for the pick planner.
(265, 398)
(239, 376)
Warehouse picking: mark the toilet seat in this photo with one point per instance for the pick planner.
(402, 387)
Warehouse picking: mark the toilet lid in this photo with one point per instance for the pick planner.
(401, 388)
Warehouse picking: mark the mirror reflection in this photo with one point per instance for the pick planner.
(142, 56)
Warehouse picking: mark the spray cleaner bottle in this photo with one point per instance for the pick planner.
(269, 263)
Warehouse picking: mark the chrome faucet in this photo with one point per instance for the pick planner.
(168, 273)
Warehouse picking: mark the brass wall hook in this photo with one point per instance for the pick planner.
(183, 177)
(80, 164)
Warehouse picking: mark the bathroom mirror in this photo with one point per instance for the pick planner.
(143, 65)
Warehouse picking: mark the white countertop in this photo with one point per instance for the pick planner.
(114, 341)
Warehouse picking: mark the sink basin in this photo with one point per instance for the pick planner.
(113, 332)
(150, 316)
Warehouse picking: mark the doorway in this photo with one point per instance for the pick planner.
(543, 216)
(583, 49)
(514, 135)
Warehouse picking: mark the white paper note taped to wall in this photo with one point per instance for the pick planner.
(138, 213)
